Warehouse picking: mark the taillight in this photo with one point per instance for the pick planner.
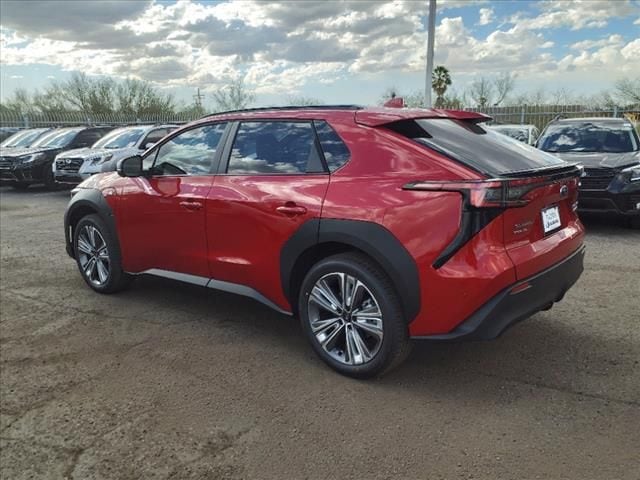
(494, 193)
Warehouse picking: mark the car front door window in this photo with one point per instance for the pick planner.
(189, 153)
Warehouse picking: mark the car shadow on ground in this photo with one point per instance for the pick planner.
(539, 352)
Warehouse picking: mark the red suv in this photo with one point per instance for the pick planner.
(372, 225)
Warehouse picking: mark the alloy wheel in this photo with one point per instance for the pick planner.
(93, 255)
(345, 318)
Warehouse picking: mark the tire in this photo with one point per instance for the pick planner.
(387, 345)
(102, 252)
(20, 185)
(50, 180)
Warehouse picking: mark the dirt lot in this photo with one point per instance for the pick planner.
(173, 381)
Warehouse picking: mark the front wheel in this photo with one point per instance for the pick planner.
(20, 185)
(352, 316)
(98, 256)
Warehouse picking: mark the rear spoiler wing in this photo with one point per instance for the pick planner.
(375, 117)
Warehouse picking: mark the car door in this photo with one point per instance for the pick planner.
(272, 180)
(163, 213)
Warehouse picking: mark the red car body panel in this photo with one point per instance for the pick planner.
(238, 233)
(249, 218)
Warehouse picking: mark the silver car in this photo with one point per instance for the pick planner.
(74, 166)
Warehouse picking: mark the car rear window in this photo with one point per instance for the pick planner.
(475, 146)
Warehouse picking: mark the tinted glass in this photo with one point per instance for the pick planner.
(23, 139)
(121, 138)
(588, 137)
(476, 146)
(335, 151)
(274, 147)
(88, 137)
(59, 138)
(190, 153)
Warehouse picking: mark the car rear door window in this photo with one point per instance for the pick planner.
(189, 153)
(476, 146)
(277, 147)
(334, 149)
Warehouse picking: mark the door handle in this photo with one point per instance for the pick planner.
(191, 205)
(291, 208)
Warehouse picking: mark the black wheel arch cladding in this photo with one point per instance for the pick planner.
(372, 239)
(89, 201)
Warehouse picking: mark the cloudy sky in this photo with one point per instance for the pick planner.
(339, 52)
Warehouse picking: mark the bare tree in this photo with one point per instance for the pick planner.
(503, 85)
(481, 92)
(234, 96)
(628, 90)
(302, 101)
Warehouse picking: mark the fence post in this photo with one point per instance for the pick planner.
(615, 111)
(25, 117)
(522, 110)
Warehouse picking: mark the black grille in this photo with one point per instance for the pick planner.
(69, 164)
(596, 179)
(5, 163)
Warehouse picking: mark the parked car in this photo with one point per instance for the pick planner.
(6, 132)
(73, 166)
(609, 150)
(30, 165)
(524, 133)
(372, 225)
(23, 138)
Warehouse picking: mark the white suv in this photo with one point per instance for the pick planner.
(74, 166)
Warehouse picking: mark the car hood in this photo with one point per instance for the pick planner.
(98, 152)
(600, 159)
(19, 152)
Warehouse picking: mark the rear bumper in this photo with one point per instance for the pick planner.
(508, 308)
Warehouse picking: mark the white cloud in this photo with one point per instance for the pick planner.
(280, 47)
(486, 16)
(576, 14)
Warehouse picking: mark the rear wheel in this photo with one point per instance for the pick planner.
(98, 256)
(352, 316)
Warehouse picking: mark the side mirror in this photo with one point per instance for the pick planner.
(148, 145)
(130, 167)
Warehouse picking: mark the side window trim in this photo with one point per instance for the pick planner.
(231, 137)
(216, 157)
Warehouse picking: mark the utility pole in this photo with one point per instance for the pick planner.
(431, 30)
(198, 99)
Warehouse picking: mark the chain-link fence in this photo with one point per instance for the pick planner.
(11, 119)
(540, 115)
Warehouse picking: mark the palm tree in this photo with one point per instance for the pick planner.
(440, 80)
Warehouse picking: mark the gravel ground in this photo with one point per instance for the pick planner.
(173, 381)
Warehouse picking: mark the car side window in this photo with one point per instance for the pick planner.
(335, 151)
(88, 138)
(274, 147)
(189, 153)
(154, 136)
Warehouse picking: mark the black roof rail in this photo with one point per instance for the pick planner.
(289, 107)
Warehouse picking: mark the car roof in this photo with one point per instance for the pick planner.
(370, 116)
(512, 125)
(593, 120)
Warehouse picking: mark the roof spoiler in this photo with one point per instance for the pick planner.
(375, 117)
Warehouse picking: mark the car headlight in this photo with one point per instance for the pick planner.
(101, 159)
(632, 173)
(31, 158)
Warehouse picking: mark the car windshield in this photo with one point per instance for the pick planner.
(589, 137)
(22, 139)
(122, 138)
(513, 132)
(59, 138)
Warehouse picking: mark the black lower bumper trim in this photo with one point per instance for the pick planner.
(507, 308)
